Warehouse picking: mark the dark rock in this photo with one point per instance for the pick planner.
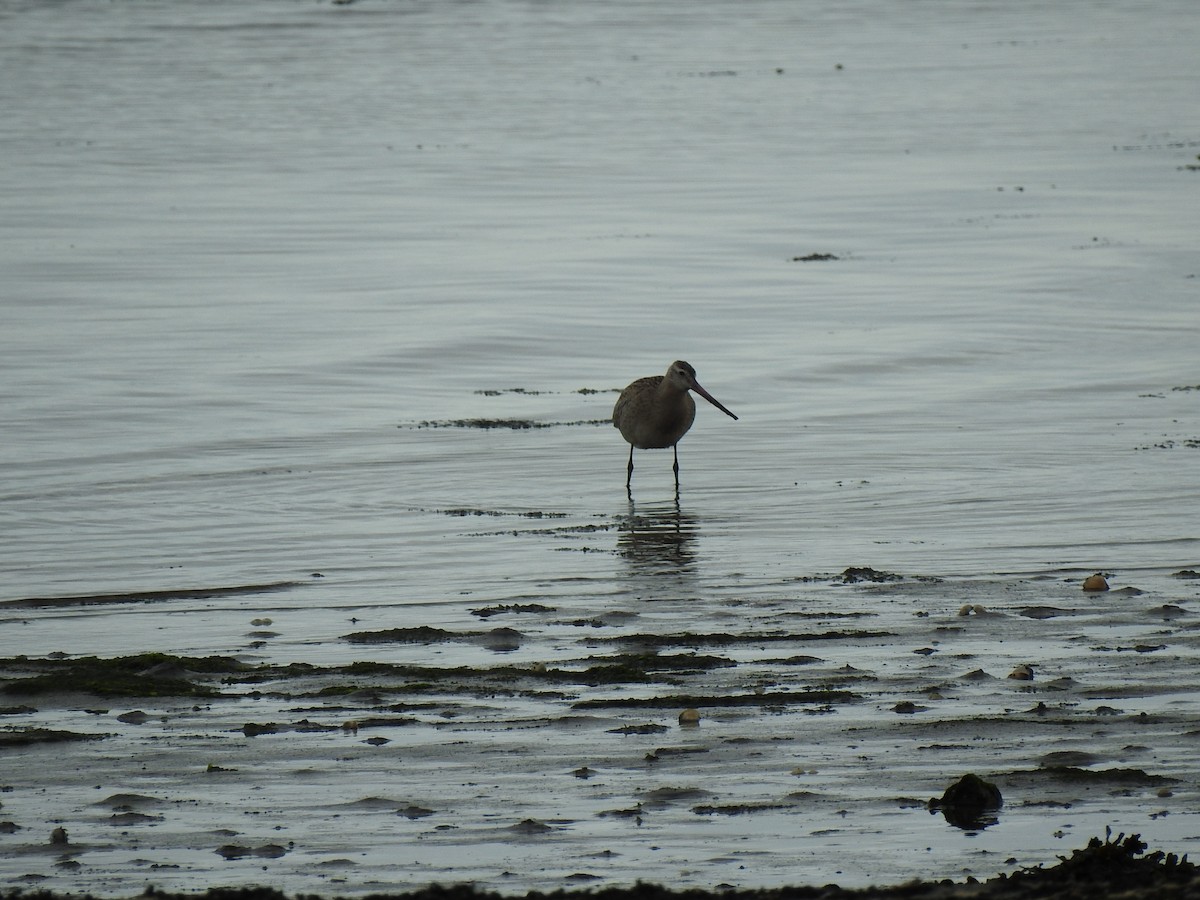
(502, 640)
(530, 826)
(970, 803)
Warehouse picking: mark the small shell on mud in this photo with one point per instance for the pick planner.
(972, 609)
(1095, 582)
(1023, 672)
(689, 718)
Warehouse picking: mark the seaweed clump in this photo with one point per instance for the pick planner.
(143, 675)
(1118, 867)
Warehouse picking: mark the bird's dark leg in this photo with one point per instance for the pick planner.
(675, 450)
(629, 470)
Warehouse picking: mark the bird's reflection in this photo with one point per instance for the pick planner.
(657, 538)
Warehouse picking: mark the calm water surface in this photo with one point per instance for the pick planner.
(267, 264)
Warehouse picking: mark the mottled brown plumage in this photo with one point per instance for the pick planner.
(654, 413)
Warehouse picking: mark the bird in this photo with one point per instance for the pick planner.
(656, 412)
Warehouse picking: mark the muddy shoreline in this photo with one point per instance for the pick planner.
(525, 746)
(1116, 867)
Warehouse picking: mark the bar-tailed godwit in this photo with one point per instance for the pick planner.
(654, 413)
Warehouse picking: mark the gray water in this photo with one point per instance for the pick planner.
(268, 266)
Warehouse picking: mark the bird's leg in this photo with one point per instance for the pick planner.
(629, 470)
(675, 450)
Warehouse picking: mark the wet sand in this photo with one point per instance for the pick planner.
(548, 750)
(1118, 867)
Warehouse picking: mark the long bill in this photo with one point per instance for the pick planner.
(711, 399)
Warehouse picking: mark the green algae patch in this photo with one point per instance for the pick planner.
(142, 675)
(25, 737)
(724, 639)
(1076, 775)
(394, 678)
(488, 611)
(423, 634)
(149, 596)
(638, 668)
(765, 699)
(107, 684)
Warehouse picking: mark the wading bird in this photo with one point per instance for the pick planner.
(654, 413)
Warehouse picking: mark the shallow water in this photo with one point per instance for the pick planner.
(270, 265)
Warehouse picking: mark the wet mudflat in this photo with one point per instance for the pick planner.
(545, 750)
(1117, 866)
